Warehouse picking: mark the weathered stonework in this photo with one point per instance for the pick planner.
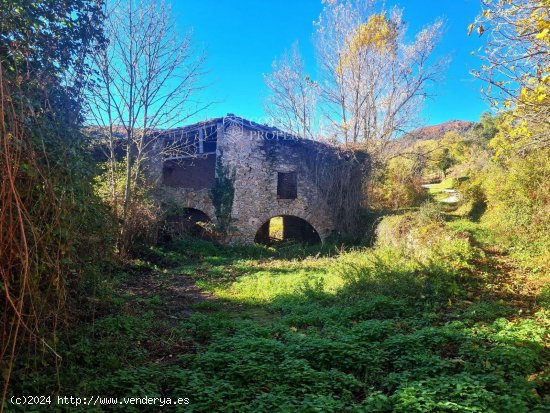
(248, 159)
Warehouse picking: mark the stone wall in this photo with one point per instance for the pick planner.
(255, 200)
(248, 164)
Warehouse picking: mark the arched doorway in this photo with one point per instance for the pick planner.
(188, 221)
(287, 228)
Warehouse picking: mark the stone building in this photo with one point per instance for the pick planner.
(239, 175)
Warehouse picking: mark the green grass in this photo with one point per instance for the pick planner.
(438, 192)
(304, 329)
(447, 183)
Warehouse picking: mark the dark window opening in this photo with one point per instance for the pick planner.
(210, 139)
(287, 185)
(191, 173)
(287, 228)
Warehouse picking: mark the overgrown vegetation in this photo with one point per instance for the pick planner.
(395, 185)
(337, 172)
(52, 240)
(222, 194)
(383, 329)
(508, 195)
(517, 200)
(447, 311)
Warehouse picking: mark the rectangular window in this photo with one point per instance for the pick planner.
(191, 173)
(287, 185)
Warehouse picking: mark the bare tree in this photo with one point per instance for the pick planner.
(373, 81)
(146, 80)
(292, 101)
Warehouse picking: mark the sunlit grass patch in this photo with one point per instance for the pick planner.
(448, 183)
(360, 329)
(276, 228)
(267, 280)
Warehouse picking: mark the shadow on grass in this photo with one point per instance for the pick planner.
(390, 341)
(393, 335)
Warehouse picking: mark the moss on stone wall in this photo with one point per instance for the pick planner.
(222, 195)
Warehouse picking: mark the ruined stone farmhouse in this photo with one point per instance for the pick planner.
(240, 176)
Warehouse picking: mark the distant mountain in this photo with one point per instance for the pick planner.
(437, 131)
(434, 132)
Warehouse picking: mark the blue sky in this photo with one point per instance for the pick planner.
(243, 37)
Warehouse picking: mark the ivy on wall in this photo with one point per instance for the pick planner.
(222, 194)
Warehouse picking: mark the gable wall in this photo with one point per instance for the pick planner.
(252, 163)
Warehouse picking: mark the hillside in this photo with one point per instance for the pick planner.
(439, 130)
(432, 132)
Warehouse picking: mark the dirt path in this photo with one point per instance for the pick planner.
(174, 296)
(172, 300)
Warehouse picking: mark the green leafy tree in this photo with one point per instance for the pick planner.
(444, 161)
(486, 128)
(44, 46)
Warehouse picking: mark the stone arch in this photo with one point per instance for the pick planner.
(190, 221)
(292, 228)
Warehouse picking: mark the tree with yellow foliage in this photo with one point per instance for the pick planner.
(516, 68)
(373, 80)
(517, 71)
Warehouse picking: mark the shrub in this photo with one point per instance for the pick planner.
(473, 203)
(144, 218)
(395, 186)
(424, 236)
(518, 206)
(142, 226)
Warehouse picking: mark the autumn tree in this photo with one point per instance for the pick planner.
(516, 74)
(373, 80)
(516, 70)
